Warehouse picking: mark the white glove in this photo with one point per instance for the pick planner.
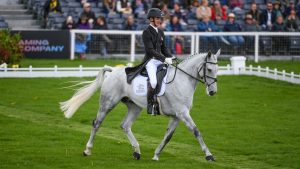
(173, 57)
(168, 61)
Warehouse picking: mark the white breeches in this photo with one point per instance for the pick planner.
(151, 69)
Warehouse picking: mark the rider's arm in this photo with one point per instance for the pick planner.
(150, 51)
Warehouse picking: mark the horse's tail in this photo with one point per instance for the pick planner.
(82, 94)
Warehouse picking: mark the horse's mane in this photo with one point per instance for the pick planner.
(192, 56)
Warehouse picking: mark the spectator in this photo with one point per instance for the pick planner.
(218, 12)
(232, 26)
(69, 23)
(279, 41)
(81, 40)
(101, 39)
(193, 9)
(124, 7)
(139, 7)
(100, 23)
(177, 11)
(298, 9)
(236, 4)
(51, 6)
(288, 9)
(88, 13)
(175, 43)
(268, 17)
(277, 8)
(109, 6)
(83, 23)
(130, 24)
(206, 25)
(166, 17)
(254, 12)
(250, 26)
(292, 22)
(159, 3)
(203, 10)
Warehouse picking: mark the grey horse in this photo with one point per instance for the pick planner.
(175, 103)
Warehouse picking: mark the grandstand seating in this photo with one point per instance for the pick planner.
(74, 8)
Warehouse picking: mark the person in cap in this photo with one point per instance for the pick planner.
(87, 11)
(289, 8)
(156, 53)
(232, 26)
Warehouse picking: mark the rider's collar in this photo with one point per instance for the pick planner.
(154, 28)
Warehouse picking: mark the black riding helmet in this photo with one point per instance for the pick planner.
(154, 13)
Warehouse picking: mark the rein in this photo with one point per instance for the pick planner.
(195, 78)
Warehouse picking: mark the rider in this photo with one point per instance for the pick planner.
(156, 54)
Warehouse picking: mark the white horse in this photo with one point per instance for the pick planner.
(175, 103)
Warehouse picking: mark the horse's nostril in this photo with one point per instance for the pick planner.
(211, 93)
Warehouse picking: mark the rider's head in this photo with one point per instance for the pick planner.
(154, 15)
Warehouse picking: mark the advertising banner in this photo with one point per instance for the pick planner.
(45, 44)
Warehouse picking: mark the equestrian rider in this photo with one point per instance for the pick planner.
(156, 54)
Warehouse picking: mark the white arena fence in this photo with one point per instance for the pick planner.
(128, 44)
(93, 71)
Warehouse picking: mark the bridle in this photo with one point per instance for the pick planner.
(202, 79)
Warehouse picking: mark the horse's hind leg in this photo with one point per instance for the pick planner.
(168, 135)
(132, 114)
(107, 104)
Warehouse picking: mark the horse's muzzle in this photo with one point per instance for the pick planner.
(211, 93)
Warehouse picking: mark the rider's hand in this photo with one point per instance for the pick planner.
(169, 61)
(173, 58)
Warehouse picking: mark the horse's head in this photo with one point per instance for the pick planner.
(208, 72)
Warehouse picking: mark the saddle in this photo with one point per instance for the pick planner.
(160, 74)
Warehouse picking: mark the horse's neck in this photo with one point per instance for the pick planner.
(183, 82)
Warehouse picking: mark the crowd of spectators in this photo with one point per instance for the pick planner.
(187, 15)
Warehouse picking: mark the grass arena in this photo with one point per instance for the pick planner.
(252, 122)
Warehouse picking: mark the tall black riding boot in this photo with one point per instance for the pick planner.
(150, 99)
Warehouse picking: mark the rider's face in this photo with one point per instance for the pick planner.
(157, 21)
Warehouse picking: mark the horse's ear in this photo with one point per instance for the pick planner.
(209, 54)
(218, 53)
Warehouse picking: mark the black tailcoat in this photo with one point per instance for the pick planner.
(155, 47)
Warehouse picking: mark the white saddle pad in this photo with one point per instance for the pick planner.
(140, 86)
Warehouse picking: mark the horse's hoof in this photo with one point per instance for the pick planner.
(210, 158)
(136, 155)
(86, 153)
(155, 158)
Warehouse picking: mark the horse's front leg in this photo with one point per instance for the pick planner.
(188, 121)
(168, 135)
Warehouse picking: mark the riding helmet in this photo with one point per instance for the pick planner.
(154, 13)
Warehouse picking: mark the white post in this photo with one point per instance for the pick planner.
(30, 68)
(193, 44)
(267, 71)
(238, 64)
(283, 74)
(292, 77)
(259, 69)
(72, 48)
(5, 68)
(275, 73)
(197, 38)
(132, 47)
(256, 49)
(80, 70)
(228, 67)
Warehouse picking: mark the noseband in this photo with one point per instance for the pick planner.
(205, 76)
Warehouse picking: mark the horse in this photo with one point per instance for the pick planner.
(175, 103)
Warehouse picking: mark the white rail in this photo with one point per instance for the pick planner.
(194, 36)
(81, 71)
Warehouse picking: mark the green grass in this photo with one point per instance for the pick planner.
(245, 126)
(252, 122)
(289, 66)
